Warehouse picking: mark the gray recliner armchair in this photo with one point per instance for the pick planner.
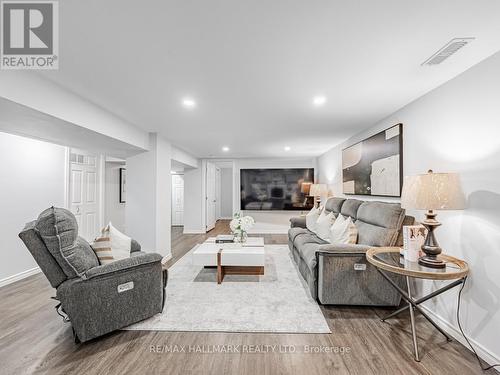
(97, 299)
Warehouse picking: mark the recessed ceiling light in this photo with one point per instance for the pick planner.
(188, 103)
(318, 101)
(287, 148)
(225, 149)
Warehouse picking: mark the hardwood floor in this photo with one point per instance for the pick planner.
(33, 339)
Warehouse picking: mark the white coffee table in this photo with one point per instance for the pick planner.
(232, 259)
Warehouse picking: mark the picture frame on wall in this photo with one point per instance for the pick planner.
(123, 184)
(374, 166)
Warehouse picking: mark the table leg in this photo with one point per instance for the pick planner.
(412, 319)
(220, 268)
(398, 311)
(448, 338)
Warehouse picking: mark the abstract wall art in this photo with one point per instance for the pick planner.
(374, 166)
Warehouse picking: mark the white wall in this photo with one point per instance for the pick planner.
(114, 211)
(184, 158)
(148, 206)
(26, 88)
(267, 221)
(456, 127)
(226, 192)
(33, 176)
(193, 201)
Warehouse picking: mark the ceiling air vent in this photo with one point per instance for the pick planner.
(449, 49)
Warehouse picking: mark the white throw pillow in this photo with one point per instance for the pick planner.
(343, 231)
(324, 224)
(120, 243)
(312, 217)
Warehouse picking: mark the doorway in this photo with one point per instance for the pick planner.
(211, 195)
(219, 192)
(177, 199)
(85, 192)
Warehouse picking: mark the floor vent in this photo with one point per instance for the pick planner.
(449, 49)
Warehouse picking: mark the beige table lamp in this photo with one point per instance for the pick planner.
(318, 191)
(432, 191)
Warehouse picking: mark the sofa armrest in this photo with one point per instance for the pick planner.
(343, 248)
(298, 222)
(123, 265)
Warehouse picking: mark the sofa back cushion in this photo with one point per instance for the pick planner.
(43, 257)
(350, 208)
(334, 205)
(379, 223)
(59, 231)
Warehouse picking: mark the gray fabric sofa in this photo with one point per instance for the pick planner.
(97, 299)
(339, 274)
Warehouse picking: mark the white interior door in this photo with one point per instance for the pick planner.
(84, 194)
(211, 201)
(177, 199)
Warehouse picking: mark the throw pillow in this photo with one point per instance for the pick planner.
(323, 225)
(102, 248)
(112, 245)
(343, 231)
(120, 243)
(312, 217)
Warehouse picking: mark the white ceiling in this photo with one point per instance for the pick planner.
(254, 66)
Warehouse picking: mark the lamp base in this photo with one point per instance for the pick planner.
(431, 247)
(431, 262)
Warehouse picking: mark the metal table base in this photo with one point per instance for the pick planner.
(412, 305)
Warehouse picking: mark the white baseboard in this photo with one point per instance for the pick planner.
(193, 231)
(166, 258)
(19, 276)
(453, 331)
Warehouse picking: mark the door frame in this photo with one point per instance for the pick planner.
(101, 175)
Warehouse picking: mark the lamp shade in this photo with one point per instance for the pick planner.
(318, 190)
(305, 187)
(433, 191)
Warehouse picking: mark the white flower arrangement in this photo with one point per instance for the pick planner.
(240, 226)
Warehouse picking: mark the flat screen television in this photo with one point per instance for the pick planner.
(276, 189)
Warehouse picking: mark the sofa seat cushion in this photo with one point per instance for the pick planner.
(308, 254)
(294, 232)
(379, 223)
(59, 231)
(306, 238)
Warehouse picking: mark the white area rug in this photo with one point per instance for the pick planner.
(275, 302)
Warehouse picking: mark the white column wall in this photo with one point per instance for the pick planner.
(148, 206)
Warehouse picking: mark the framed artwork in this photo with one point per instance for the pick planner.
(123, 184)
(374, 166)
